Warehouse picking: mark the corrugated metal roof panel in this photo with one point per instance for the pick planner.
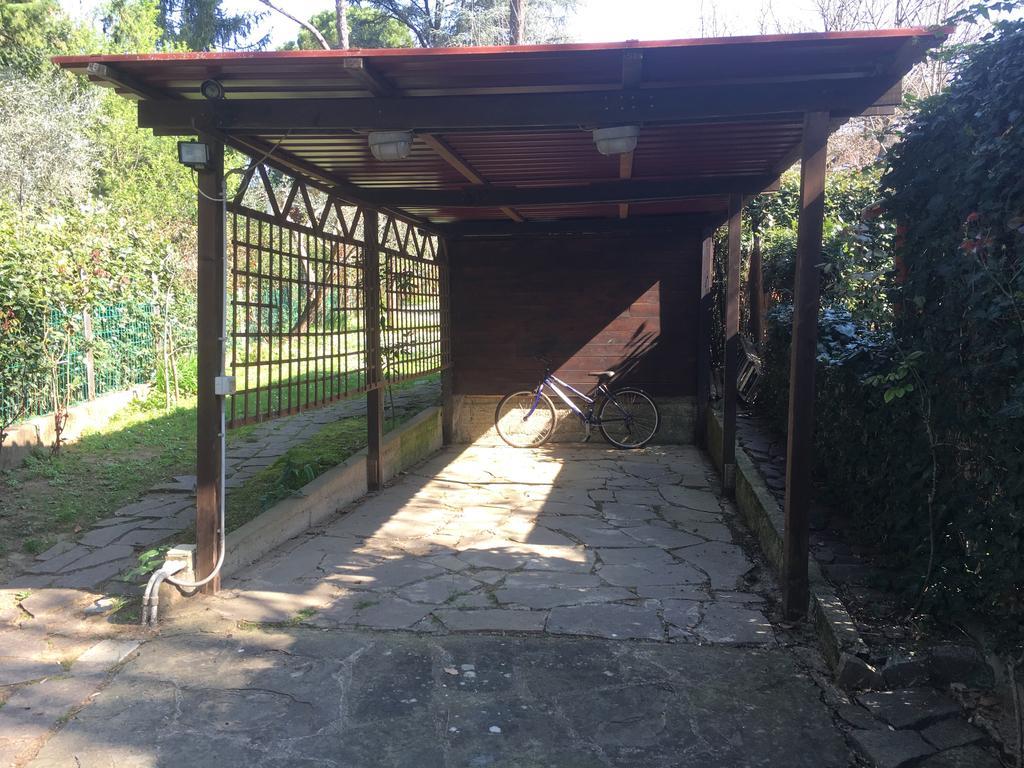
(536, 157)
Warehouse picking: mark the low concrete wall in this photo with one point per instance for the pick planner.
(330, 492)
(37, 433)
(474, 420)
(836, 630)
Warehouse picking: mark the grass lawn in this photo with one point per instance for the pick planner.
(52, 498)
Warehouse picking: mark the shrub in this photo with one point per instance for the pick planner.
(920, 410)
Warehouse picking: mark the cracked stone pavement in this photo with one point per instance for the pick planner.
(571, 606)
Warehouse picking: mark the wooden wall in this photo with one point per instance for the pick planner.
(588, 303)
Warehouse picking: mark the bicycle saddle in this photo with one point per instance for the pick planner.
(601, 374)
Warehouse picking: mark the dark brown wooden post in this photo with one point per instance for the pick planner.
(210, 330)
(447, 372)
(374, 364)
(755, 286)
(732, 347)
(800, 437)
(705, 312)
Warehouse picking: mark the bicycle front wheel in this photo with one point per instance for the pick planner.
(524, 420)
(629, 418)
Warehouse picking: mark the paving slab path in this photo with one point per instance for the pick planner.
(567, 607)
(112, 544)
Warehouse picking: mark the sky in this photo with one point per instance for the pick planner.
(595, 20)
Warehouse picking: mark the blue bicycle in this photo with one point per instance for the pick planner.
(626, 417)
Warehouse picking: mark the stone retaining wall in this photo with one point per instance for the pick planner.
(22, 439)
(333, 490)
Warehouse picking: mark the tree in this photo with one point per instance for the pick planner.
(367, 28)
(516, 19)
(31, 32)
(341, 22)
(48, 157)
(203, 25)
(443, 23)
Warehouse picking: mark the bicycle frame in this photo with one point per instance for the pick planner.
(553, 382)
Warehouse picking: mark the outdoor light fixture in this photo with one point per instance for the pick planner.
(391, 145)
(194, 154)
(616, 141)
(212, 89)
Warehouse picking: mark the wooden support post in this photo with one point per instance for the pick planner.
(447, 372)
(755, 287)
(732, 347)
(374, 363)
(210, 330)
(705, 313)
(800, 434)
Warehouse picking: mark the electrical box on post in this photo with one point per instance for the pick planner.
(223, 386)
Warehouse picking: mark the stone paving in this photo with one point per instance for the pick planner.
(112, 545)
(568, 607)
(567, 541)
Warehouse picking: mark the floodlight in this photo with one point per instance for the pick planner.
(194, 154)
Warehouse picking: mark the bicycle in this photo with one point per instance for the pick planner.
(627, 417)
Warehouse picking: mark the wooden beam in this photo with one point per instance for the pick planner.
(374, 362)
(448, 372)
(732, 347)
(705, 314)
(447, 153)
(210, 332)
(635, 226)
(803, 351)
(625, 172)
(435, 114)
(632, 68)
(363, 73)
(625, 190)
(105, 73)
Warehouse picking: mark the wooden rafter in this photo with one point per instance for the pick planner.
(447, 153)
(632, 76)
(380, 86)
(362, 72)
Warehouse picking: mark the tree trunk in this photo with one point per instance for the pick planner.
(516, 21)
(316, 294)
(341, 22)
(304, 24)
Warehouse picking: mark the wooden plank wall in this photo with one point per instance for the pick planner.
(589, 303)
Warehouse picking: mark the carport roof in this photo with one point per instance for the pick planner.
(502, 134)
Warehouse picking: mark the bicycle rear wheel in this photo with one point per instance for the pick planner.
(629, 418)
(520, 424)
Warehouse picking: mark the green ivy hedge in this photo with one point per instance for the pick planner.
(920, 432)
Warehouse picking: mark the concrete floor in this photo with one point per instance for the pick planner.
(572, 606)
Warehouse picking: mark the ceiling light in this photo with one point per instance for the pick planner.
(616, 141)
(391, 145)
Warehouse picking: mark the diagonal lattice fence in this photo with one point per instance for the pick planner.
(299, 315)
